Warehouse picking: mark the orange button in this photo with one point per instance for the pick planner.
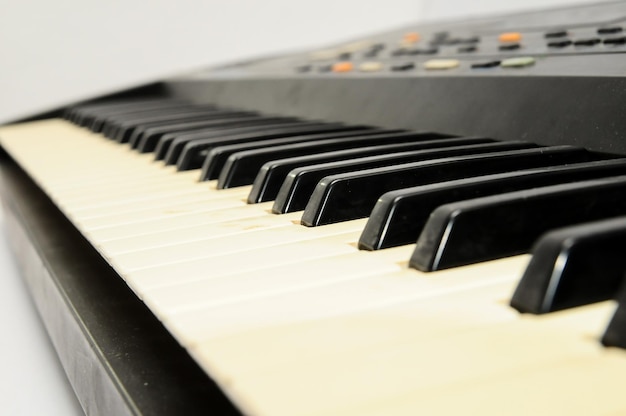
(343, 67)
(510, 37)
(411, 37)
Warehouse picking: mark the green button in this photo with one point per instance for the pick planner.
(519, 62)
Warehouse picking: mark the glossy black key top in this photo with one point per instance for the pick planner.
(120, 129)
(166, 141)
(353, 195)
(504, 225)
(147, 141)
(97, 121)
(241, 168)
(111, 123)
(220, 156)
(193, 154)
(272, 174)
(137, 134)
(399, 216)
(615, 334)
(299, 185)
(574, 266)
(191, 149)
(115, 128)
(91, 118)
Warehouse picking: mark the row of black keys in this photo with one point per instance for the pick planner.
(469, 199)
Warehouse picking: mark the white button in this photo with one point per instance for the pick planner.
(442, 64)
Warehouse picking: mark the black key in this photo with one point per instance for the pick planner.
(615, 334)
(139, 133)
(220, 156)
(574, 266)
(116, 126)
(91, 118)
(272, 174)
(399, 216)
(133, 132)
(186, 150)
(121, 128)
(506, 225)
(353, 195)
(147, 140)
(295, 192)
(193, 154)
(110, 123)
(164, 143)
(98, 120)
(242, 168)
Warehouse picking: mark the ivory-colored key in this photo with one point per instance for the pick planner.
(219, 289)
(296, 321)
(214, 246)
(172, 220)
(128, 182)
(417, 319)
(205, 320)
(420, 368)
(132, 212)
(255, 260)
(202, 201)
(197, 232)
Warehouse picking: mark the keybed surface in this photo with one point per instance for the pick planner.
(291, 320)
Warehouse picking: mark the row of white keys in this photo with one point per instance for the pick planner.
(222, 312)
(410, 365)
(424, 356)
(142, 210)
(310, 308)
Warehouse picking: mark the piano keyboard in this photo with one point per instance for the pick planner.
(354, 230)
(295, 320)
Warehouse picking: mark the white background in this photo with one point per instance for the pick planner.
(54, 52)
(57, 52)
